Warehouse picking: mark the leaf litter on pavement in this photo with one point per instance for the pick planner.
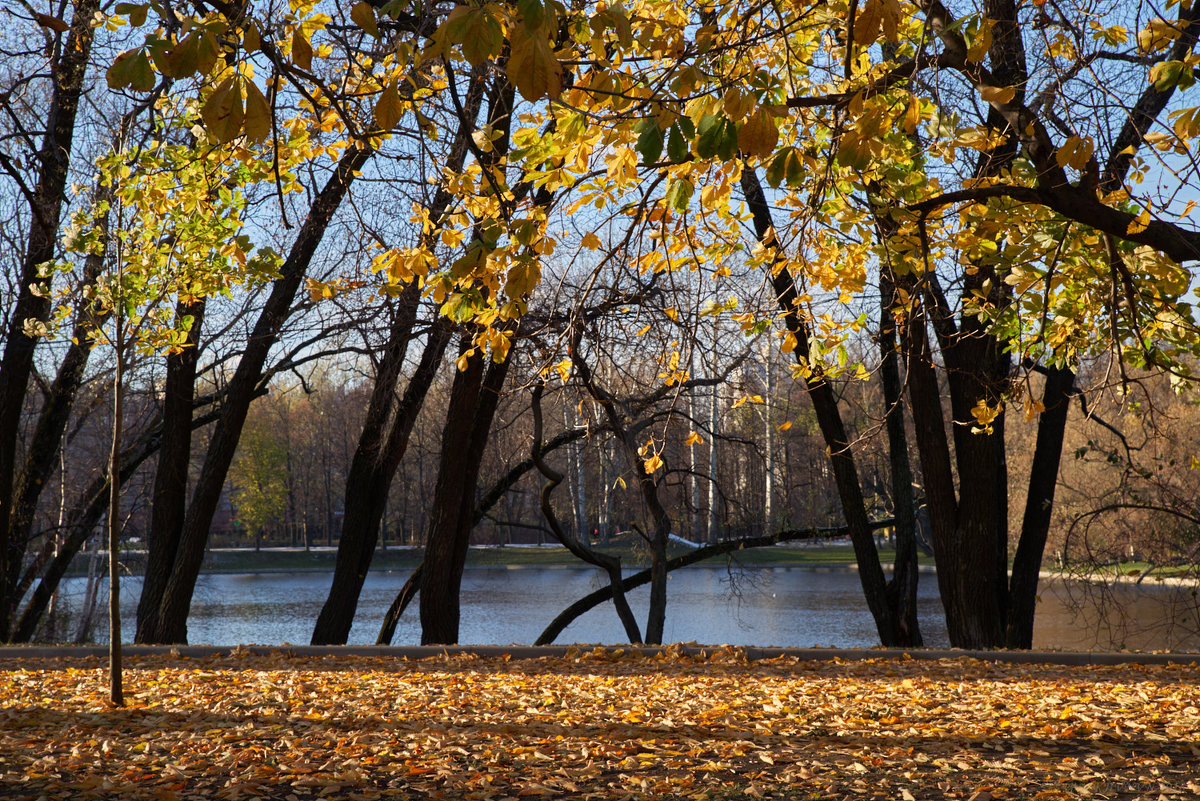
(602, 724)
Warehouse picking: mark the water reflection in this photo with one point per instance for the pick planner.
(761, 606)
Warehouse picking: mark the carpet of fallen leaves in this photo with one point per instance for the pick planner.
(603, 725)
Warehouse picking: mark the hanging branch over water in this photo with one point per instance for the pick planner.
(594, 599)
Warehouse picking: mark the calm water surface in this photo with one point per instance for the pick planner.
(760, 606)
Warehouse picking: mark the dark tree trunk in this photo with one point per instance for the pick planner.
(970, 523)
(367, 483)
(170, 622)
(46, 204)
(171, 475)
(829, 420)
(594, 599)
(902, 588)
(1039, 503)
(473, 400)
(387, 631)
(379, 452)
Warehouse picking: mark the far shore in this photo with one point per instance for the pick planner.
(835, 555)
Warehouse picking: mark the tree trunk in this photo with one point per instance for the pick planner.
(116, 692)
(367, 483)
(387, 631)
(473, 400)
(170, 623)
(829, 420)
(16, 365)
(1039, 503)
(379, 452)
(902, 588)
(171, 475)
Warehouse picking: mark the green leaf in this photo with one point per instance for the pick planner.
(677, 146)
(120, 73)
(135, 11)
(650, 143)
(679, 194)
(686, 127)
(469, 262)
(728, 144)
(777, 169)
(711, 131)
(478, 32)
(207, 51)
(794, 170)
(532, 12)
(141, 74)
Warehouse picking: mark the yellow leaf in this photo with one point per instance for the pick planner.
(590, 241)
(222, 114)
(759, 134)
(1139, 223)
(866, 24)
(643, 329)
(912, 115)
(1075, 152)
(694, 439)
(388, 108)
(302, 52)
(532, 66)
(997, 94)
(364, 16)
(258, 114)
(564, 369)
(652, 464)
(672, 313)
(980, 45)
(500, 346)
(785, 426)
(984, 415)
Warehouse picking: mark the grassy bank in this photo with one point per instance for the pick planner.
(596, 725)
(248, 560)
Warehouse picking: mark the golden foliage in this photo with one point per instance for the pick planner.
(601, 724)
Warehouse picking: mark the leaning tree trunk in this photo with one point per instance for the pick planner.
(171, 475)
(380, 451)
(829, 420)
(367, 483)
(49, 194)
(170, 622)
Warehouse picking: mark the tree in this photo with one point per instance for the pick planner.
(45, 195)
(259, 478)
(904, 151)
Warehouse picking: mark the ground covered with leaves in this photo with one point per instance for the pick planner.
(603, 725)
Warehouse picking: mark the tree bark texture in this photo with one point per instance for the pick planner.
(16, 364)
(829, 420)
(170, 622)
(474, 396)
(171, 474)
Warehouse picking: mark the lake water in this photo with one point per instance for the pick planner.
(773, 606)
